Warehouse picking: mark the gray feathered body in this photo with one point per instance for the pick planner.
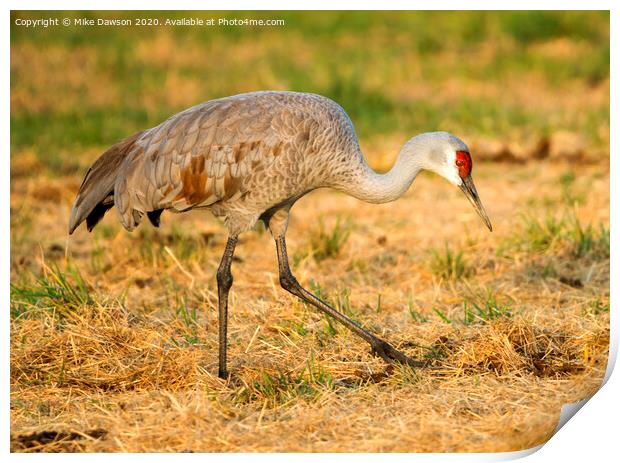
(243, 156)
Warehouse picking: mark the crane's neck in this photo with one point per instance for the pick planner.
(374, 187)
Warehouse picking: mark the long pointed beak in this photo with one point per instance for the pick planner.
(469, 189)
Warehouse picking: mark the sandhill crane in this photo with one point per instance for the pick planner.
(250, 157)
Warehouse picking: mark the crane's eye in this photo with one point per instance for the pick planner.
(463, 162)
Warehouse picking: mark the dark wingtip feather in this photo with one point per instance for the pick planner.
(155, 217)
(96, 215)
(98, 184)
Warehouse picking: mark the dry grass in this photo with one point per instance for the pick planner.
(131, 356)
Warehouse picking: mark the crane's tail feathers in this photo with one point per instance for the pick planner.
(96, 193)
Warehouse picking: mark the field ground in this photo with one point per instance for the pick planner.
(114, 335)
(134, 351)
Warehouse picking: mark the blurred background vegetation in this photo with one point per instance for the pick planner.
(499, 75)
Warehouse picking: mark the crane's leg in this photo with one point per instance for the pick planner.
(224, 282)
(290, 283)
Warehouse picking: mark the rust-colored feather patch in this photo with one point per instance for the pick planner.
(209, 153)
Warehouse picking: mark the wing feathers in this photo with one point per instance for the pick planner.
(98, 183)
(194, 159)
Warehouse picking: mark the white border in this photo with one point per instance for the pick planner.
(591, 436)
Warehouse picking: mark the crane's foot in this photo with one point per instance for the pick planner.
(390, 355)
(223, 373)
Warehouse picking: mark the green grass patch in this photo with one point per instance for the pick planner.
(541, 234)
(484, 311)
(475, 311)
(441, 314)
(587, 240)
(449, 264)
(188, 315)
(528, 27)
(566, 233)
(283, 388)
(415, 315)
(56, 290)
(596, 307)
(325, 243)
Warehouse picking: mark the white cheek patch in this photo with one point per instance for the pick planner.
(451, 173)
(455, 179)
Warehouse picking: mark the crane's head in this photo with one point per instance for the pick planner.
(449, 157)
